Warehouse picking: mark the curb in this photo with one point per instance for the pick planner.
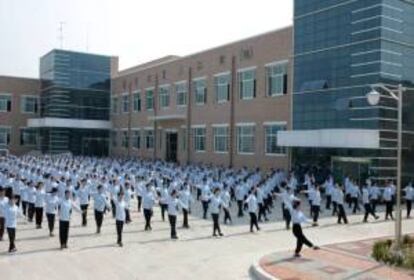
(259, 273)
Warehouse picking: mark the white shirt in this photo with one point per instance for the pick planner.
(409, 192)
(3, 204)
(148, 200)
(83, 195)
(387, 194)
(31, 197)
(100, 201)
(120, 210)
(225, 198)
(172, 206)
(205, 193)
(52, 203)
(186, 199)
(65, 209)
(215, 204)
(339, 196)
(251, 203)
(11, 213)
(365, 196)
(298, 217)
(40, 198)
(316, 198)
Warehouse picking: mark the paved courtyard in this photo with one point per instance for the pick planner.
(152, 255)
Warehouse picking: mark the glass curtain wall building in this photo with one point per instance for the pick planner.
(75, 103)
(341, 48)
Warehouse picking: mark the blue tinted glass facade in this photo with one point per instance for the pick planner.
(342, 47)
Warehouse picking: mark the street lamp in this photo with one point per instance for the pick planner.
(373, 98)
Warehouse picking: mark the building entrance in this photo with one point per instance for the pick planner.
(357, 168)
(171, 146)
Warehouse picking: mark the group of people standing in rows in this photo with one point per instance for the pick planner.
(54, 186)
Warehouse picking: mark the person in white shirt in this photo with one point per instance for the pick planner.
(65, 211)
(387, 195)
(225, 198)
(52, 203)
(205, 197)
(163, 193)
(3, 203)
(31, 201)
(11, 213)
(148, 202)
(173, 207)
(316, 204)
(374, 192)
(39, 204)
(127, 198)
(252, 207)
(216, 203)
(101, 204)
(409, 197)
(367, 205)
(239, 198)
(355, 194)
(329, 187)
(139, 192)
(186, 200)
(297, 219)
(83, 195)
(339, 197)
(120, 216)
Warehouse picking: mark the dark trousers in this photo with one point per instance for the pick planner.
(12, 237)
(348, 200)
(98, 219)
(17, 199)
(2, 221)
(63, 232)
(334, 208)
(286, 216)
(185, 218)
(328, 202)
(139, 203)
(30, 211)
(227, 216)
(253, 221)
(216, 225)
(50, 221)
(163, 210)
(113, 207)
(368, 211)
(315, 211)
(127, 216)
(262, 212)
(205, 208)
(374, 203)
(356, 205)
(300, 238)
(240, 206)
(198, 194)
(39, 216)
(147, 216)
(24, 207)
(341, 214)
(84, 208)
(409, 205)
(119, 228)
(388, 210)
(173, 220)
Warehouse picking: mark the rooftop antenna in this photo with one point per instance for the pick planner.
(60, 37)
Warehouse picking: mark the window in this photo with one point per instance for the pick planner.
(28, 137)
(247, 84)
(137, 101)
(5, 103)
(200, 91)
(149, 139)
(221, 139)
(181, 91)
(184, 139)
(164, 94)
(271, 139)
(149, 96)
(222, 86)
(4, 137)
(114, 139)
(29, 104)
(136, 139)
(199, 139)
(125, 103)
(125, 139)
(114, 105)
(245, 139)
(276, 79)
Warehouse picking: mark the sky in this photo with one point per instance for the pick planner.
(135, 30)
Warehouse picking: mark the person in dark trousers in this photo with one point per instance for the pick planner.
(409, 197)
(11, 213)
(252, 206)
(52, 203)
(83, 194)
(205, 197)
(101, 204)
(388, 198)
(339, 198)
(163, 200)
(186, 199)
(65, 211)
(120, 217)
(148, 202)
(39, 205)
(297, 219)
(31, 192)
(216, 203)
(261, 204)
(3, 203)
(239, 198)
(225, 199)
(173, 204)
(367, 205)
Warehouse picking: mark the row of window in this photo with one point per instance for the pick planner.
(28, 104)
(276, 84)
(28, 137)
(246, 139)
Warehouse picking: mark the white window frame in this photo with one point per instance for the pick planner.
(197, 88)
(268, 69)
(134, 138)
(146, 131)
(148, 90)
(22, 130)
(266, 125)
(114, 105)
(23, 101)
(125, 138)
(181, 88)
(128, 101)
(9, 96)
(241, 81)
(134, 95)
(114, 138)
(164, 96)
(243, 125)
(227, 139)
(196, 129)
(7, 137)
(217, 85)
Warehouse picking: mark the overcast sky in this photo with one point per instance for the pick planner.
(135, 30)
